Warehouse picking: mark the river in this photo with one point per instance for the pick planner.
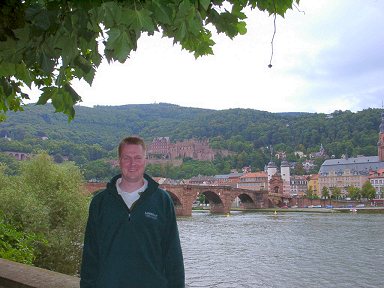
(290, 249)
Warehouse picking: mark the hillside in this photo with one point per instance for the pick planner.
(96, 131)
(105, 125)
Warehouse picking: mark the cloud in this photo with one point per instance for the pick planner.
(340, 59)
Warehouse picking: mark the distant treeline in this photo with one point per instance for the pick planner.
(95, 133)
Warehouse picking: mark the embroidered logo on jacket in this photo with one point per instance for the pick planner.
(151, 215)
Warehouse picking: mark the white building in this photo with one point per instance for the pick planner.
(352, 171)
(377, 180)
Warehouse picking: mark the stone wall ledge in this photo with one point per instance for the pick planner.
(17, 275)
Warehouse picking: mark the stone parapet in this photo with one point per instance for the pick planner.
(17, 275)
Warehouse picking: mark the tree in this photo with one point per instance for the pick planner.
(336, 193)
(310, 194)
(11, 165)
(368, 191)
(325, 193)
(354, 192)
(299, 169)
(34, 34)
(99, 169)
(46, 199)
(15, 245)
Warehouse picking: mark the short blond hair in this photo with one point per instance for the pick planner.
(131, 140)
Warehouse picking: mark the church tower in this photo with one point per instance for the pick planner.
(380, 144)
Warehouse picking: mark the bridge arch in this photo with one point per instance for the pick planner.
(211, 196)
(176, 202)
(216, 204)
(220, 198)
(246, 201)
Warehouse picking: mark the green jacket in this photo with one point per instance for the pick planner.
(137, 247)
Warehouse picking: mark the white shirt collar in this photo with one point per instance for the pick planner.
(141, 189)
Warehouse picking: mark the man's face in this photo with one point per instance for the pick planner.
(132, 162)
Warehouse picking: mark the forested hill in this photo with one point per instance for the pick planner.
(339, 132)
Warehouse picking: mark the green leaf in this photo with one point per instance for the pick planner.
(201, 45)
(184, 9)
(63, 99)
(205, 4)
(73, 98)
(138, 20)
(68, 49)
(8, 49)
(278, 7)
(119, 43)
(242, 28)
(7, 69)
(23, 73)
(83, 64)
(41, 20)
(181, 31)
(6, 87)
(47, 94)
(46, 63)
(109, 13)
(32, 11)
(194, 23)
(161, 11)
(88, 77)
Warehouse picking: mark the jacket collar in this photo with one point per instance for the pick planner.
(152, 184)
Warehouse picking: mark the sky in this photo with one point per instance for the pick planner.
(327, 55)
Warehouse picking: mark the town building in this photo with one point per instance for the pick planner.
(300, 154)
(377, 180)
(280, 155)
(298, 185)
(162, 148)
(308, 165)
(231, 179)
(320, 154)
(159, 148)
(202, 180)
(254, 181)
(313, 183)
(194, 149)
(347, 171)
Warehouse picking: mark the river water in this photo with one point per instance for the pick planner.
(290, 249)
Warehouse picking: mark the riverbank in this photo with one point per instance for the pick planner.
(318, 210)
(366, 210)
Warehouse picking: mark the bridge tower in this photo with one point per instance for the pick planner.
(271, 170)
(286, 176)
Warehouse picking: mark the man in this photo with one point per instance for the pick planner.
(131, 238)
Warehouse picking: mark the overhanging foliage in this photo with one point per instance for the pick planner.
(48, 43)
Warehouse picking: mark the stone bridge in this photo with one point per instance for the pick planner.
(220, 198)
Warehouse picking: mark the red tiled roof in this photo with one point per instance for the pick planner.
(255, 174)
